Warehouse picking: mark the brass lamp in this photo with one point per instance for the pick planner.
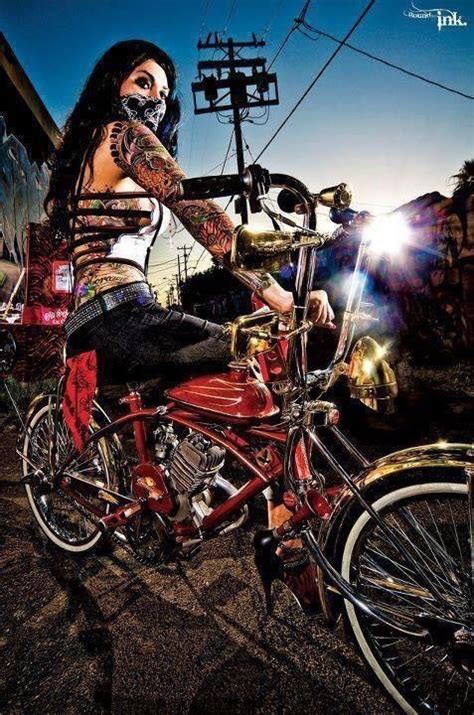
(338, 197)
(371, 379)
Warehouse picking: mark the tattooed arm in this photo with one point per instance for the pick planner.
(141, 155)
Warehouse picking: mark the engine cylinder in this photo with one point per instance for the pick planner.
(195, 460)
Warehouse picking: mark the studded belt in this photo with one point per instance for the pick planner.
(104, 302)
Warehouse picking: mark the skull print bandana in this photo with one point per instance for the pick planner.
(148, 110)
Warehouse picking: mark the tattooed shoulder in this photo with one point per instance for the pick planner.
(142, 156)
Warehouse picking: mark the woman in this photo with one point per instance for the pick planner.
(117, 164)
(121, 137)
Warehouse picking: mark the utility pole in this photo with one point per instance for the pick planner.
(169, 296)
(186, 251)
(179, 271)
(246, 91)
(178, 287)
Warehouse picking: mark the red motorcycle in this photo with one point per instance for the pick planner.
(392, 540)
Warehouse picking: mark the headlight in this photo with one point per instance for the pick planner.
(387, 234)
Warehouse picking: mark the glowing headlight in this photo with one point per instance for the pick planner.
(387, 234)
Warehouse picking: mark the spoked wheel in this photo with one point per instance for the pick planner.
(46, 444)
(431, 518)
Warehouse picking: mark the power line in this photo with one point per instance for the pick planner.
(160, 280)
(226, 157)
(296, 23)
(384, 62)
(252, 120)
(230, 13)
(280, 49)
(164, 269)
(204, 16)
(318, 76)
(273, 17)
(248, 148)
(161, 274)
(302, 32)
(162, 263)
(218, 166)
(199, 258)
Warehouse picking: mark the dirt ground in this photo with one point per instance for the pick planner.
(105, 634)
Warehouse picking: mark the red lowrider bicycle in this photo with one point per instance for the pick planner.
(393, 542)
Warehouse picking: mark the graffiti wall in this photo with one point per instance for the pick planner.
(23, 186)
(34, 272)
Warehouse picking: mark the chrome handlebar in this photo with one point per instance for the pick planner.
(269, 250)
(256, 181)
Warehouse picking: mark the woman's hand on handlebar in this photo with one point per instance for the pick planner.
(277, 298)
(320, 312)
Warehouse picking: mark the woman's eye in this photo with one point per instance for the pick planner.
(144, 83)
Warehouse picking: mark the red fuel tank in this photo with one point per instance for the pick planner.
(230, 395)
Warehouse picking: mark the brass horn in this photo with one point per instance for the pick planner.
(336, 197)
(371, 379)
(260, 250)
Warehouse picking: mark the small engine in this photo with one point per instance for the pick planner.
(195, 460)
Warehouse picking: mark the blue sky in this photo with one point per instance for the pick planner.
(390, 136)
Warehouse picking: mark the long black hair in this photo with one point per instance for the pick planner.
(97, 105)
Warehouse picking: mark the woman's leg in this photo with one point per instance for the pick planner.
(147, 342)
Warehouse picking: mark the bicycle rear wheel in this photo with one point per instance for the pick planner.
(46, 444)
(431, 518)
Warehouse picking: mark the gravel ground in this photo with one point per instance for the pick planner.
(104, 634)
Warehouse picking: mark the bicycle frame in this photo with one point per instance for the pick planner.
(288, 444)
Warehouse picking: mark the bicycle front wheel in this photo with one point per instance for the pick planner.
(431, 519)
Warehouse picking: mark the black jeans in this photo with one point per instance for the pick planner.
(136, 341)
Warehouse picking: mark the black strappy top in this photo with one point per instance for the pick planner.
(128, 242)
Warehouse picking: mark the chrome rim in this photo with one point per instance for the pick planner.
(434, 528)
(56, 511)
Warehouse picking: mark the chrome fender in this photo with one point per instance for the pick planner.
(440, 455)
(31, 409)
(43, 396)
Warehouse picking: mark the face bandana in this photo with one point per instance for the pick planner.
(148, 110)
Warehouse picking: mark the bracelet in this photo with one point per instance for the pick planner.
(255, 281)
(266, 281)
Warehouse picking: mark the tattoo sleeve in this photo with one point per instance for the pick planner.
(141, 155)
